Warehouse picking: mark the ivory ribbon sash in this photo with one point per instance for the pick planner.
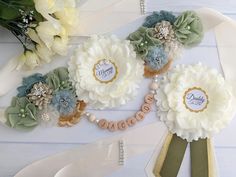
(225, 34)
(100, 158)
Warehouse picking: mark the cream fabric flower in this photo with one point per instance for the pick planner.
(106, 72)
(194, 101)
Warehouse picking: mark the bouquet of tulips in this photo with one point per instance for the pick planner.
(42, 26)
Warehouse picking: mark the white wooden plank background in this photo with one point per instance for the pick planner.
(20, 149)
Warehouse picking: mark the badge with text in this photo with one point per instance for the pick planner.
(195, 99)
(105, 71)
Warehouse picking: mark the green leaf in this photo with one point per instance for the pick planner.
(38, 17)
(25, 2)
(7, 12)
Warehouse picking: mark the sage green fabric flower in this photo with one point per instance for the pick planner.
(188, 28)
(58, 79)
(21, 114)
(142, 40)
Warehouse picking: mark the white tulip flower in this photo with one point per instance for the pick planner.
(60, 43)
(33, 35)
(44, 52)
(46, 7)
(46, 32)
(69, 18)
(30, 59)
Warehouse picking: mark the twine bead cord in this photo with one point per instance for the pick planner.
(122, 125)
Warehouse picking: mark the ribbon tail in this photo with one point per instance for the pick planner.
(102, 156)
(171, 157)
(199, 158)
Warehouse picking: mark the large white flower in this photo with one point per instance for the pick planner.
(106, 72)
(194, 101)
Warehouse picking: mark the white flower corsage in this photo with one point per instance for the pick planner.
(106, 72)
(194, 101)
(43, 27)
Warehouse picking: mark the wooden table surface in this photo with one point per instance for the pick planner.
(20, 149)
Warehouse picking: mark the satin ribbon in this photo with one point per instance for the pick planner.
(224, 29)
(99, 158)
(170, 158)
(103, 16)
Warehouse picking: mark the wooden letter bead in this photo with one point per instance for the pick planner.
(131, 121)
(140, 116)
(154, 86)
(146, 108)
(149, 98)
(122, 125)
(112, 126)
(103, 124)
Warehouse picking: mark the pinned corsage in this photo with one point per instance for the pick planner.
(41, 26)
(162, 37)
(45, 99)
(106, 72)
(194, 101)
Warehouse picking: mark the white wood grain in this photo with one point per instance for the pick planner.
(20, 149)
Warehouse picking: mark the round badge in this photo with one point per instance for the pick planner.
(195, 99)
(105, 71)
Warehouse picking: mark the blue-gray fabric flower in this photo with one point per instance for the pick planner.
(64, 101)
(28, 83)
(158, 17)
(156, 58)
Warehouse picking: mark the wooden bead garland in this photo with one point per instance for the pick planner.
(122, 125)
(129, 122)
